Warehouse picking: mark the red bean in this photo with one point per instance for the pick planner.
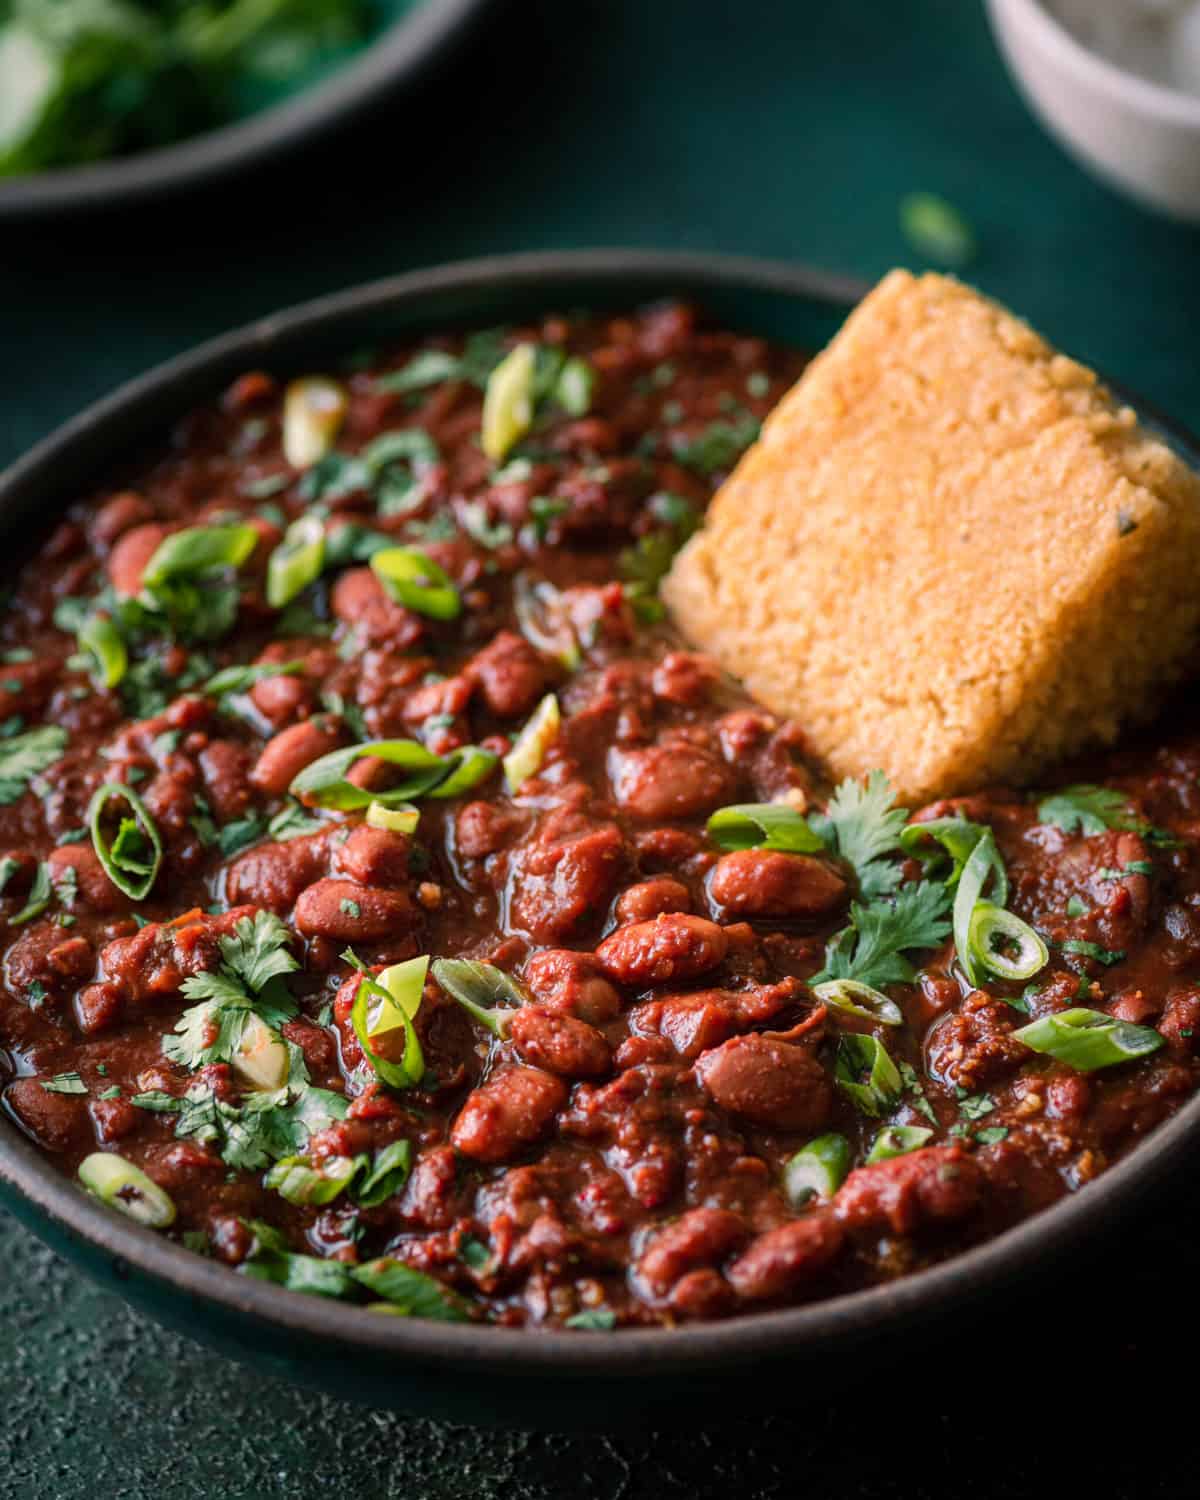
(128, 559)
(767, 883)
(664, 782)
(225, 767)
(287, 753)
(556, 887)
(769, 1082)
(511, 1111)
(56, 1121)
(934, 1184)
(510, 674)
(375, 856)
(347, 912)
(273, 875)
(94, 889)
(671, 947)
(701, 1237)
(570, 984)
(560, 1044)
(783, 1259)
(651, 898)
(360, 600)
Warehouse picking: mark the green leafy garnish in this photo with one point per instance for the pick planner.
(65, 1083)
(763, 825)
(862, 825)
(1087, 810)
(133, 857)
(24, 756)
(871, 950)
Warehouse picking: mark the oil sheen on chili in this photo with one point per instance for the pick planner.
(394, 910)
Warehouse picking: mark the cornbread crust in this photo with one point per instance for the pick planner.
(950, 554)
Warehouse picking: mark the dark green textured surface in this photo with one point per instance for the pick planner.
(787, 129)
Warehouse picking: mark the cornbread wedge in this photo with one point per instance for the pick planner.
(950, 554)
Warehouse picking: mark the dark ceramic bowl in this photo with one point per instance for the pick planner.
(480, 1374)
(411, 37)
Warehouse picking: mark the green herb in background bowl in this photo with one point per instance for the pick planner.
(85, 80)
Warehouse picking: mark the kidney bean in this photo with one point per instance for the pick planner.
(570, 984)
(768, 1082)
(664, 782)
(783, 1259)
(273, 875)
(352, 913)
(360, 600)
(57, 1122)
(287, 753)
(767, 883)
(94, 889)
(651, 898)
(315, 1042)
(685, 677)
(482, 829)
(225, 767)
(934, 1184)
(555, 887)
(1180, 1022)
(119, 514)
(128, 558)
(700, 1295)
(671, 947)
(508, 1113)
(510, 674)
(559, 1043)
(112, 1119)
(374, 856)
(700, 1237)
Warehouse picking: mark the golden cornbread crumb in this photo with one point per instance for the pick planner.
(950, 554)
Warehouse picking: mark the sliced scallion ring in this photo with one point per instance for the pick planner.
(529, 750)
(387, 1004)
(296, 562)
(103, 642)
(544, 621)
(483, 990)
(763, 825)
(508, 402)
(409, 1293)
(859, 999)
(132, 860)
(324, 783)
(402, 819)
(417, 582)
(198, 550)
(898, 1140)
(314, 409)
(466, 767)
(991, 935)
(573, 388)
(1089, 1039)
(983, 861)
(39, 898)
(866, 1074)
(297, 1179)
(123, 1186)
(817, 1170)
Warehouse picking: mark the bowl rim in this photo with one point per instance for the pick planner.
(839, 1322)
(404, 47)
(1054, 37)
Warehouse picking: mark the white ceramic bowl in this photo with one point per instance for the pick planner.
(1141, 137)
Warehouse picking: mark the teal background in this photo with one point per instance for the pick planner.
(781, 128)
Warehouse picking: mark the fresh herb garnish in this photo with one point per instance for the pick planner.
(133, 857)
(65, 1083)
(24, 756)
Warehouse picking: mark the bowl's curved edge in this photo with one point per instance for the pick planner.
(407, 46)
(54, 1207)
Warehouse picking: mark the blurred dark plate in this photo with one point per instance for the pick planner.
(418, 33)
(477, 1373)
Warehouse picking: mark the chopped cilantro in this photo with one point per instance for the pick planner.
(718, 447)
(872, 948)
(24, 756)
(593, 1319)
(350, 908)
(1077, 907)
(110, 1093)
(991, 1135)
(862, 825)
(1107, 956)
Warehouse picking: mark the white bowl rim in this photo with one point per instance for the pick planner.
(1055, 38)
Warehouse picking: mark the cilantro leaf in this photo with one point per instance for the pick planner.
(24, 756)
(864, 827)
(871, 950)
(1087, 810)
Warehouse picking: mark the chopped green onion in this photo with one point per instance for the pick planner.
(508, 402)
(402, 819)
(866, 1074)
(859, 999)
(936, 229)
(299, 1181)
(898, 1140)
(133, 858)
(592, 1320)
(296, 562)
(573, 389)
(983, 861)
(39, 898)
(314, 409)
(271, 1260)
(763, 825)
(386, 1175)
(544, 621)
(957, 838)
(389, 1004)
(411, 1293)
(1089, 1039)
(324, 783)
(65, 1083)
(123, 1186)
(480, 988)
(817, 1170)
(528, 752)
(417, 582)
(426, 368)
(989, 927)
(238, 679)
(198, 550)
(101, 639)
